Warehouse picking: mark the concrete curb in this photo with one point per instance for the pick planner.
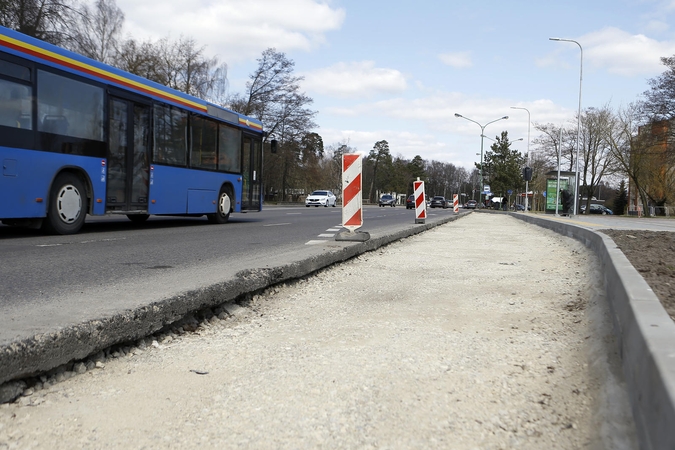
(41, 353)
(645, 334)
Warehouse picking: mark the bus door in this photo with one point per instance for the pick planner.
(252, 174)
(128, 156)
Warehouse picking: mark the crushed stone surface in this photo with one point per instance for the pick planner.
(484, 333)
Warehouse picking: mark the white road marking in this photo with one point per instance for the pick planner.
(276, 224)
(314, 242)
(326, 235)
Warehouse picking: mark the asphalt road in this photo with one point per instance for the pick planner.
(49, 282)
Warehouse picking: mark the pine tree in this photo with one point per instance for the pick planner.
(621, 200)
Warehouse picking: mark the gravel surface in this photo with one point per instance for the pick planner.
(484, 333)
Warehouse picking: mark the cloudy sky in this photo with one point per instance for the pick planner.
(399, 70)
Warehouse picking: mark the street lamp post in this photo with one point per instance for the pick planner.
(527, 182)
(482, 132)
(581, 72)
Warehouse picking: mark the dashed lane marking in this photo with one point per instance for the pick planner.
(328, 235)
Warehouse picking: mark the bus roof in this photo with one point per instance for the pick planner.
(24, 46)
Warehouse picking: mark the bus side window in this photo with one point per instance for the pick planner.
(24, 121)
(55, 124)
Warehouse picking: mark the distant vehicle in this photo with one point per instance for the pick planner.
(438, 202)
(471, 204)
(320, 198)
(387, 200)
(597, 209)
(410, 202)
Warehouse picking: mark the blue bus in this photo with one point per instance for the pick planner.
(79, 137)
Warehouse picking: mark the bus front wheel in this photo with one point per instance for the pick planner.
(222, 215)
(67, 205)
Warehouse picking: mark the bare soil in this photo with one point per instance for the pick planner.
(652, 253)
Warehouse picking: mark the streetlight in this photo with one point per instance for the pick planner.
(581, 72)
(482, 135)
(494, 140)
(527, 182)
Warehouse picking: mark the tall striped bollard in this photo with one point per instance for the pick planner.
(455, 203)
(420, 202)
(352, 204)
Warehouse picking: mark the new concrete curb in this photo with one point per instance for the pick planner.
(645, 334)
(41, 353)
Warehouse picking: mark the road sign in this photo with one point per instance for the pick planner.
(486, 188)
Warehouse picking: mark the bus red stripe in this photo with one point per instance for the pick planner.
(100, 76)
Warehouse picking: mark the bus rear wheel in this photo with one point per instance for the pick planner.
(224, 208)
(67, 205)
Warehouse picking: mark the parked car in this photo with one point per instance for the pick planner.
(320, 198)
(438, 202)
(387, 200)
(471, 204)
(596, 209)
(410, 202)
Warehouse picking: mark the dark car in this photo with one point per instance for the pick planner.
(597, 209)
(410, 202)
(438, 202)
(471, 204)
(387, 200)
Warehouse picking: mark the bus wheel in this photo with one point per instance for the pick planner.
(224, 208)
(138, 218)
(67, 205)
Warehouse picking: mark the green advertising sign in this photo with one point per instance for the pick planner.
(551, 185)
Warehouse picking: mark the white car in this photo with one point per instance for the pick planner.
(320, 198)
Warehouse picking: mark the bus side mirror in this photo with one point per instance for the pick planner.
(274, 145)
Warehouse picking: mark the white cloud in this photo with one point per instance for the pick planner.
(625, 54)
(459, 60)
(404, 143)
(234, 30)
(355, 79)
(618, 52)
(427, 125)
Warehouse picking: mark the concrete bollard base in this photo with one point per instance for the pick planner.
(354, 236)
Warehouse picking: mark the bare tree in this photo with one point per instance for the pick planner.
(659, 101)
(96, 31)
(273, 96)
(140, 58)
(549, 143)
(630, 148)
(597, 160)
(47, 20)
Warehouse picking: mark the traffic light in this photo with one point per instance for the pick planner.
(527, 174)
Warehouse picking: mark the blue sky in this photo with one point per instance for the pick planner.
(399, 71)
